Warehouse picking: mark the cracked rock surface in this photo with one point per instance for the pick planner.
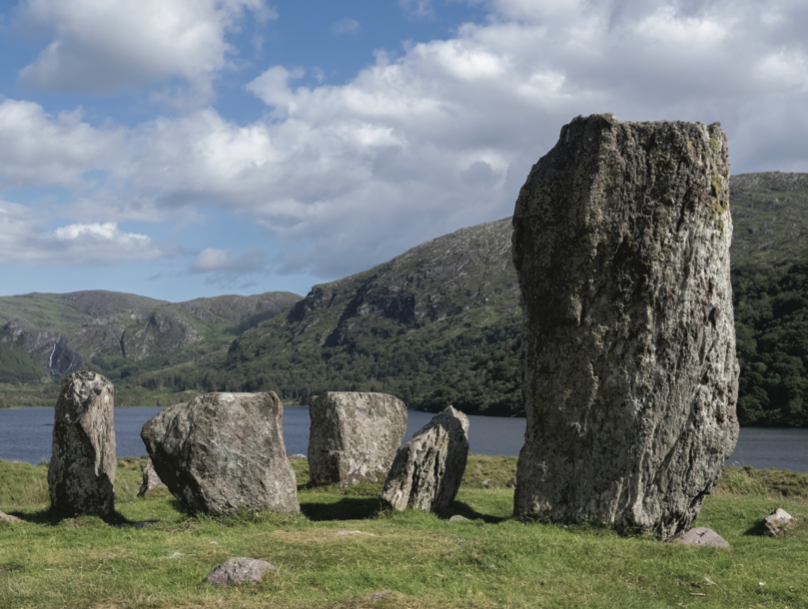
(629, 374)
(224, 452)
(428, 469)
(354, 436)
(81, 474)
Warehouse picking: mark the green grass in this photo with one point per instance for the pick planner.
(424, 559)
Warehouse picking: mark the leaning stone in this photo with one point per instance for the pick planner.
(81, 474)
(428, 469)
(9, 518)
(224, 452)
(777, 522)
(150, 479)
(629, 374)
(354, 436)
(702, 536)
(238, 571)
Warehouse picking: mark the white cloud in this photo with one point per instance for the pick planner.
(441, 137)
(103, 46)
(418, 9)
(345, 26)
(25, 238)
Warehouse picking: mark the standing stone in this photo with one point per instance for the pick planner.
(81, 474)
(150, 479)
(224, 452)
(629, 375)
(354, 436)
(428, 469)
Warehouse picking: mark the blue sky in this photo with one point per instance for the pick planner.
(186, 148)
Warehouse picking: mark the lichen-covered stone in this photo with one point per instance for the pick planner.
(629, 374)
(354, 436)
(150, 479)
(224, 452)
(239, 570)
(81, 474)
(428, 469)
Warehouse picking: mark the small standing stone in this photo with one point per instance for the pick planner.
(81, 474)
(777, 522)
(428, 469)
(224, 452)
(238, 571)
(150, 479)
(702, 536)
(354, 436)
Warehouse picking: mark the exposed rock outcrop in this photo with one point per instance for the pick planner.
(81, 474)
(224, 452)
(354, 436)
(428, 469)
(629, 374)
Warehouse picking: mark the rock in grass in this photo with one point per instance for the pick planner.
(428, 469)
(702, 536)
(81, 474)
(777, 522)
(150, 479)
(8, 518)
(629, 374)
(354, 436)
(224, 452)
(238, 571)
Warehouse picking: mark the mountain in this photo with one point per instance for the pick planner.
(51, 335)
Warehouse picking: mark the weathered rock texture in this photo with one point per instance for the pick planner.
(150, 479)
(629, 375)
(81, 474)
(702, 536)
(428, 469)
(238, 571)
(354, 436)
(224, 452)
(777, 523)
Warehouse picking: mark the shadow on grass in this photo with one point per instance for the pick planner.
(350, 508)
(459, 508)
(757, 530)
(53, 518)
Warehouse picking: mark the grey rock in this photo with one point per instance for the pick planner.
(150, 479)
(224, 452)
(296, 456)
(238, 571)
(9, 518)
(354, 436)
(428, 469)
(511, 483)
(702, 536)
(347, 532)
(81, 474)
(377, 596)
(777, 522)
(457, 517)
(629, 374)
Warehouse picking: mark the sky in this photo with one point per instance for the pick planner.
(186, 148)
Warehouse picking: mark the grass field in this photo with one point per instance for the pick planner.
(423, 559)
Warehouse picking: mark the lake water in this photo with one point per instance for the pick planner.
(25, 435)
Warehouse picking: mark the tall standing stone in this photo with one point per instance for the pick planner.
(354, 436)
(81, 474)
(224, 452)
(629, 375)
(427, 471)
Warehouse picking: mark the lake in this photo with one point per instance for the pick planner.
(25, 435)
